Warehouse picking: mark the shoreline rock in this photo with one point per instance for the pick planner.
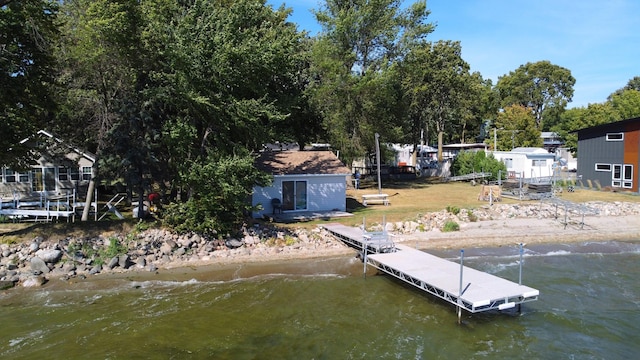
(31, 264)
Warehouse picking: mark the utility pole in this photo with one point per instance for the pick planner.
(378, 161)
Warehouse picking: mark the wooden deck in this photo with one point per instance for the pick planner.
(466, 288)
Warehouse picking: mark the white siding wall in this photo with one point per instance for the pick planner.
(523, 165)
(324, 193)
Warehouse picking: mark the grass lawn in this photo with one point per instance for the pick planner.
(409, 200)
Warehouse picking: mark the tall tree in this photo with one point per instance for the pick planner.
(626, 104)
(543, 87)
(235, 65)
(438, 86)
(360, 41)
(28, 34)
(106, 78)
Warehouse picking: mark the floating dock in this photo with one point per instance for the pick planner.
(469, 289)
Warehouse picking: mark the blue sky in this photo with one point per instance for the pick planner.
(599, 41)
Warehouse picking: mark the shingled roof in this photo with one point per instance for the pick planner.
(301, 162)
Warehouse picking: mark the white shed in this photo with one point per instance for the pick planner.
(303, 181)
(527, 162)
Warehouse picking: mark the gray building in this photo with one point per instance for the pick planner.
(609, 154)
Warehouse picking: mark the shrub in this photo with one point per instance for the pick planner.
(114, 249)
(451, 226)
(467, 162)
(219, 190)
(453, 210)
(472, 217)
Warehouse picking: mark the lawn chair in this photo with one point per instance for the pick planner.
(276, 205)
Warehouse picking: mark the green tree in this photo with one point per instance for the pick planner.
(632, 84)
(221, 186)
(438, 88)
(626, 104)
(232, 62)
(580, 118)
(468, 162)
(544, 88)
(28, 34)
(353, 87)
(106, 79)
(516, 127)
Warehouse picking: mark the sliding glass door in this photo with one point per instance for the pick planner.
(294, 195)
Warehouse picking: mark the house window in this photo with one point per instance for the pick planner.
(616, 176)
(294, 195)
(627, 176)
(74, 173)
(539, 162)
(24, 177)
(63, 173)
(603, 167)
(615, 136)
(86, 173)
(508, 162)
(9, 176)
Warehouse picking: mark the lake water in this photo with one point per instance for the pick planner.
(589, 308)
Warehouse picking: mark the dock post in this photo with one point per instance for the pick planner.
(520, 276)
(364, 257)
(460, 292)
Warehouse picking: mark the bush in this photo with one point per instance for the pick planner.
(451, 226)
(453, 210)
(114, 249)
(219, 190)
(472, 217)
(468, 162)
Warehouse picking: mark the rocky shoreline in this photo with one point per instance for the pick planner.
(34, 263)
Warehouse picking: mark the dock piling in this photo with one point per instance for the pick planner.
(460, 292)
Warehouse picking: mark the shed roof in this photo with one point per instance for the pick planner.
(530, 150)
(301, 162)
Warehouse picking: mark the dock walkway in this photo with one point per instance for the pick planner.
(466, 288)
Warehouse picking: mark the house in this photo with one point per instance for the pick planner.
(533, 164)
(59, 169)
(551, 140)
(610, 154)
(304, 181)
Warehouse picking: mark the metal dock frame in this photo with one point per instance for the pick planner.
(437, 276)
(457, 298)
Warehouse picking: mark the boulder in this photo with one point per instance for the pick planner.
(49, 256)
(123, 261)
(141, 262)
(34, 281)
(96, 269)
(6, 284)
(233, 243)
(112, 263)
(38, 265)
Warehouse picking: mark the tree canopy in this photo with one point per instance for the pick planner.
(354, 88)
(28, 34)
(543, 87)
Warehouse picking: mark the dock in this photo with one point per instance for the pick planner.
(41, 207)
(472, 176)
(469, 289)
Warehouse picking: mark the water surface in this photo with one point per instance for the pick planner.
(589, 308)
